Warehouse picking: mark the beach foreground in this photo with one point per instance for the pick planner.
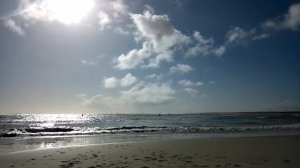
(249, 152)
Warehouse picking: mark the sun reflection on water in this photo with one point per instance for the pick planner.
(53, 120)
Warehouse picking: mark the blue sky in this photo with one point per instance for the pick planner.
(80, 56)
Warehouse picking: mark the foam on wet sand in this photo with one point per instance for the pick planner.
(248, 152)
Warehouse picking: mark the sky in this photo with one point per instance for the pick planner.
(168, 56)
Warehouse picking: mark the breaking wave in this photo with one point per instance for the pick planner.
(142, 129)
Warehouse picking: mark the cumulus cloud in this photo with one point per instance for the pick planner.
(88, 101)
(150, 93)
(204, 46)
(219, 51)
(189, 83)
(140, 96)
(133, 58)
(141, 93)
(11, 24)
(158, 30)
(110, 82)
(237, 36)
(105, 103)
(180, 68)
(104, 20)
(154, 77)
(191, 91)
(111, 13)
(291, 20)
(159, 38)
(128, 80)
(119, 8)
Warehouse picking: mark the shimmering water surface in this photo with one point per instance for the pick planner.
(42, 131)
(87, 124)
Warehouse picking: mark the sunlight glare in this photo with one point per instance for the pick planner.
(68, 11)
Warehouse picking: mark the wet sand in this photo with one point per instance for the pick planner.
(248, 152)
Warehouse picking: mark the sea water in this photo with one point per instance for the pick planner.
(90, 124)
(21, 132)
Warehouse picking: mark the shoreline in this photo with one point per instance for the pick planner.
(267, 152)
(32, 143)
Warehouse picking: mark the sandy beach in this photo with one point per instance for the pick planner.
(249, 152)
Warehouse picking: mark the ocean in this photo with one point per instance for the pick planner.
(92, 124)
(22, 132)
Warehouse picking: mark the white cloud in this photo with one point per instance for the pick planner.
(158, 30)
(180, 68)
(110, 82)
(153, 77)
(128, 80)
(159, 39)
(191, 91)
(11, 24)
(132, 59)
(188, 83)
(204, 46)
(121, 31)
(87, 101)
(237, 36)
(149, 8)
(291, 20)
(138, 98)
(86, 62)
(119, 8)
(104, 103)
(150, 93)
(219, 51)
(261, 36)
(104, 20)
(111, 13)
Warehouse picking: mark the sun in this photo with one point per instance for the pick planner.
(67, 11)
